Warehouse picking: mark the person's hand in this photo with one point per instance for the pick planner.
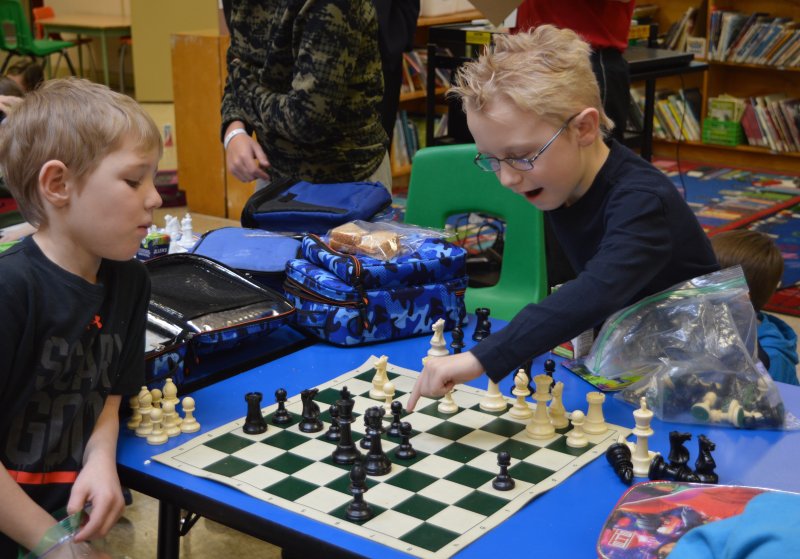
(97, 484)
(245, 159)
(441, 374)
(71, 550)
(9, 102)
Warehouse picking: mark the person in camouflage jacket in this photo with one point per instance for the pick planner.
(305, 76)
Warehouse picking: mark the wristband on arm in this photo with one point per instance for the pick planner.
(231, 135)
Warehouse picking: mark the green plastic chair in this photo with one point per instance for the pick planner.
(16, 37)
(444, 181)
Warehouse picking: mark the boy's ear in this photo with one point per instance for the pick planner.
(53, 187)
(588, 125)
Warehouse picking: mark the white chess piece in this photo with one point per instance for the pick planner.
(145, 407)
(556, 410)
(595, 422)
(438, 345)
(380, 378)
(189, 423)
(136, 417)
(388, 393)
(641, 456)
(539, 426)
(520, 409)
(576, 437)
(157, 396)
(493, 401)
(169, 421)
(187, 235)
(157, 435)
(170, 394)
(447, 404)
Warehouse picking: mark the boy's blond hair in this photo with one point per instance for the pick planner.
(73, 121)
(758, 255)
(545, 71)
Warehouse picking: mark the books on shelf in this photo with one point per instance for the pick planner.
(756, 38)
(415, 72)
(768, 121)
(676, 113)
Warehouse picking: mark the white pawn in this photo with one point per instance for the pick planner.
(169, 420)
(136, 417)
(438, 345)
(145, 407)
(493, 401)
(520, 409)
(157, 397)
(595, 422)
(187, 235)
(157, 436)
(447, 404)
(388, 393)
(380, 378)
(189, 423)
(576, 437)
(558, 414)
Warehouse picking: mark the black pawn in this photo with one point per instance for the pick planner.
(482, 324)
(394, 427)
(503, 481)
(281, 416)
(549, 367)
(705, 464)
(405, 451)
(254, 423)
(457, 343)
(358, 510)
(334, 432)
(619, 456)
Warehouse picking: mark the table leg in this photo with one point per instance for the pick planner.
(169, 521)
(104, 51)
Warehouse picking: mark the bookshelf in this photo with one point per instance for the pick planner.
(414, 101)
(738, 79)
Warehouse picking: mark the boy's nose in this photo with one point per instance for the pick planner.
(153, 199)
(508, 176)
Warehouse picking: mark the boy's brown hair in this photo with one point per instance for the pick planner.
(73, 121)
(546, 71)
(759, 257)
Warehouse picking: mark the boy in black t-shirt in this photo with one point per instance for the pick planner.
(80, 160)
(533, 107)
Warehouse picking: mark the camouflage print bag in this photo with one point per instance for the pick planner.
(349, 300)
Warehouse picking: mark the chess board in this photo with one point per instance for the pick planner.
(431, 506)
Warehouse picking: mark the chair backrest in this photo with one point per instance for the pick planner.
(444, 182)
(15, 33)
(43, 12)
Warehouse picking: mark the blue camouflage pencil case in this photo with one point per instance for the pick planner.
(348, 300)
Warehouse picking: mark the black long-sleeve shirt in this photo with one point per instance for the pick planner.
(630, 235)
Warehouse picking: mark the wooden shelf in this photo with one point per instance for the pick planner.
(734, 156)
(420, 94)
(751, 66)
(401, 171)
(449, 18)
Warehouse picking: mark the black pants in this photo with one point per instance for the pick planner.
(611, 70)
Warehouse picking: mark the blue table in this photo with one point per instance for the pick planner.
(565, 521)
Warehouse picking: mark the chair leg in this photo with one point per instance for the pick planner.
(5, 63)
(69, 62)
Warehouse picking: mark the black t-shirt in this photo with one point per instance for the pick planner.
(65, 345)
(629, 236)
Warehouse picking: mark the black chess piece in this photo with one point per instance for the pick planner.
(358, 510)
(405, 451)
(367, 440)
(619, 456)
(310, 422)
(482, 324)
(457, 343)
(503, 481)
(334, 432)
(254, 423)
(679, 454)
(705, 464)
(281, 415)
(394, 427)
(549, 367)
(345, 394)
(376, 463)
(661, 470)
(345, 451)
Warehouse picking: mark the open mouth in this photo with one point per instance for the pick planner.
(533, 194)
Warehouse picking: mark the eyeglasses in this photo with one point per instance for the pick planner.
(492, 164)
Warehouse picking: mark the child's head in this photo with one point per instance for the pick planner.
(759, 257)
(545, 71)
(75, 122)
(28, 74)
(533, 107)
(10, 87)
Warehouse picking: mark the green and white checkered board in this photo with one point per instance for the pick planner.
(431, 506)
